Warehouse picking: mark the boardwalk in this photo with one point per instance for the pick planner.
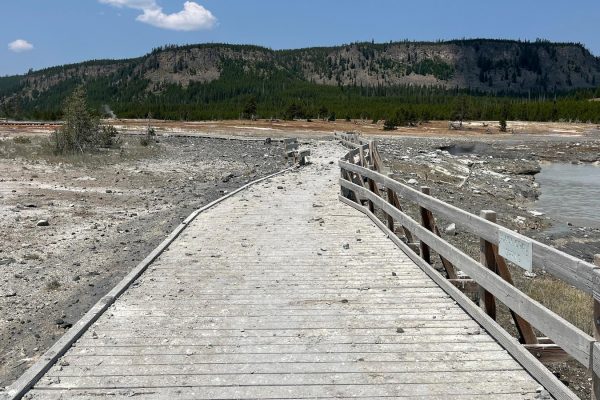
(282, 291)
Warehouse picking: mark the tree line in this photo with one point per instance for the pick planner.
(280, 94)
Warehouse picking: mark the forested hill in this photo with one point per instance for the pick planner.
(212, 80)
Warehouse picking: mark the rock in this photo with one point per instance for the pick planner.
(8, 293)
(268, 140)
(399, 330)
(279, 187)
(394, 274)
(7, 261)
(108, 191)
(43, 222)
(228, 178)
(412, 181)
(536, 213)
(529, 275)
(525, 169)
(346, 246)
(451, 229)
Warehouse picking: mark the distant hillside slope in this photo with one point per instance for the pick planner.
(494, 66)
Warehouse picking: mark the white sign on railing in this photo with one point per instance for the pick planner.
(516, 248)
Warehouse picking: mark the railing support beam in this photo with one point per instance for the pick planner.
(486, 300)
(427, 224)
(390, 199)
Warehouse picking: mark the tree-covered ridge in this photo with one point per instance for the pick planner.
(359, 80)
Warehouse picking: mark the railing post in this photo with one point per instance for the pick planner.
(426, 222)
(526, 333)
(486, 300)
(372, 188)
(595, 349)
(390, 199)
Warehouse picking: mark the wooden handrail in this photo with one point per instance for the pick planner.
(565, 267)
(490, 272)
(576, 342)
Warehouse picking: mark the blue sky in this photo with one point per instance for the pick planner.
(41, 33)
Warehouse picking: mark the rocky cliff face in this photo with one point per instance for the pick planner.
(486, 65)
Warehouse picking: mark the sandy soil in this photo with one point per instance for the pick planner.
(280, 128)
(263, 128)
(105, 213)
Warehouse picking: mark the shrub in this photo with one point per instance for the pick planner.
(81, 130)
(503, 125)
(390, 124)
(21, 140)
(109, 136)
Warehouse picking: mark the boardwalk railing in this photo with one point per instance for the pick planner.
(365, 187)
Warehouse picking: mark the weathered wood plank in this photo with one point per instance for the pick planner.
(71, 370)
(548, 353)
(436, 391)
(327, 358)
(291, 379)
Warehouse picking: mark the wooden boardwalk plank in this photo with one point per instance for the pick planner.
(284, 292)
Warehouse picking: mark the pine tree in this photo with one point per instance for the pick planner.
(81, 130)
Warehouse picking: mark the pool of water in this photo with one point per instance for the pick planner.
(570, 193)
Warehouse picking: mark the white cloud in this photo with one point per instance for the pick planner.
(20, 45)
(192, 17)
(137, 4)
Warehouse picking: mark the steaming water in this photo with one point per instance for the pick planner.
(570, 193)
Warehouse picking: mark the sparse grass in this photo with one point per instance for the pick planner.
(54, 284)
(144, 141)
(572, 304)
(22, 139)
(39, 148)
